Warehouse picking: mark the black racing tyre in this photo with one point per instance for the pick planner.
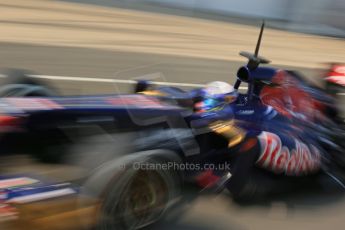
(18, 83)
(135, 197)
(337, 92)
(248, 193)
(333, 89)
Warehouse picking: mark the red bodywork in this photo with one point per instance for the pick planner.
(288, 97)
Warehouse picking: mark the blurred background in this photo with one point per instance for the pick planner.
(319, 17)
(76, 46)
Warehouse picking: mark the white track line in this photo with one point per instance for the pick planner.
(121, 81)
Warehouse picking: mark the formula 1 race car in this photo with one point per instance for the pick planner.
(139, 149)
(290, 126)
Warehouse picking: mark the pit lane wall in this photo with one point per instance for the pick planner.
(328, 13)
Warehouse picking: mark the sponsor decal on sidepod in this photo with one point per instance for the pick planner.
(276, 157)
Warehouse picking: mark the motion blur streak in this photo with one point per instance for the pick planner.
(165, 98)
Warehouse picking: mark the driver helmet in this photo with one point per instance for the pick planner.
(215, 95)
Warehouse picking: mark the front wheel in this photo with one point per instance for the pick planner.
(135, 197)
(141, 201)
(19, 83)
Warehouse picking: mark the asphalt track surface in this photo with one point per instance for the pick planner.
(96, 63)
(312, 210)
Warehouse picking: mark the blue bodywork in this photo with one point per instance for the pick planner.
(283, 145)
